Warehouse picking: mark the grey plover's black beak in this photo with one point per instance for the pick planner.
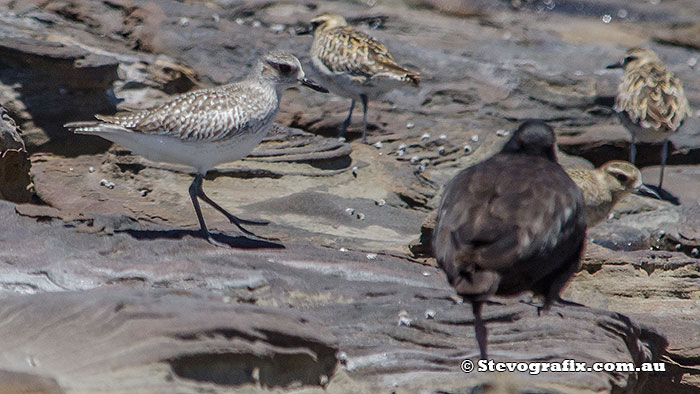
(313, 85)
(616, 65)
(301, 30)
(647, 191)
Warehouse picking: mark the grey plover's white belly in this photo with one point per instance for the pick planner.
(200, 155)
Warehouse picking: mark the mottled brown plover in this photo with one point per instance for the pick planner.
(512, 223)
(207, 127)
(353, 64)
(650, 101)
(604, 186)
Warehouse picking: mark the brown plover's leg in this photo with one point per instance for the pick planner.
(346, 122)
(479, 328)
(633, 148)
(363, 97)
(196, 188)
(664, 155)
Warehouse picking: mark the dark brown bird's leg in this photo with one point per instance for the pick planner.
(479, 328)
(346, 122)
(558, 282)
(196, 191)
(363, 97)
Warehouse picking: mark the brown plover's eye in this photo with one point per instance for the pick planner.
(628, 59)
(621, 177)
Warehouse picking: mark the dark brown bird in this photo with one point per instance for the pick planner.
(512, 223)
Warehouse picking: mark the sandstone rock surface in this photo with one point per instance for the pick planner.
(108, 289)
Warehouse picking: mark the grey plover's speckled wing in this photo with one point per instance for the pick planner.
(653, 97)
(346, 50)
(201, 115)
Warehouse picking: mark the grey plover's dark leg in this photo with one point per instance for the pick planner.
(363, 97)
(346, 122)
(195, 187)
(197, 184)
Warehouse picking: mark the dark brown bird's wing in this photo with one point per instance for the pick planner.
(507, 224)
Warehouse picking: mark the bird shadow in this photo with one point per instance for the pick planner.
(659, 194)
(238, 242)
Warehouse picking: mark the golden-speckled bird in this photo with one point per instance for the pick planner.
(353, 64)
(650, 101)
(604, 186)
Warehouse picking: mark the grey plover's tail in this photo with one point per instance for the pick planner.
(93, 127)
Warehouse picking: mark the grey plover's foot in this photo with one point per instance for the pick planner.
(254, 222)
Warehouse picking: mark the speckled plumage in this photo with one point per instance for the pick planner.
(206, 127)
(512, 223)
(650, 100)
(353, 64)
(207, 114)
(604, 186)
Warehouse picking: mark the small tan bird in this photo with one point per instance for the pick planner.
(650, 101)
(604, 186)
(353, 64)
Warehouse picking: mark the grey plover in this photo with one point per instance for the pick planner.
(650, 101)
(353, 64)
(510, 224)
(206, 127)
(604, 186)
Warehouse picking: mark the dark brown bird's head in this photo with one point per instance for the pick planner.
(532, 138)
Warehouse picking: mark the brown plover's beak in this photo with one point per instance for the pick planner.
(616, 65)
(647, 191)
(307, 29)
(313, 85)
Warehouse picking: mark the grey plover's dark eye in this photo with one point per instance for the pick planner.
(629, 59)
(621, 177)
(284, 68)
